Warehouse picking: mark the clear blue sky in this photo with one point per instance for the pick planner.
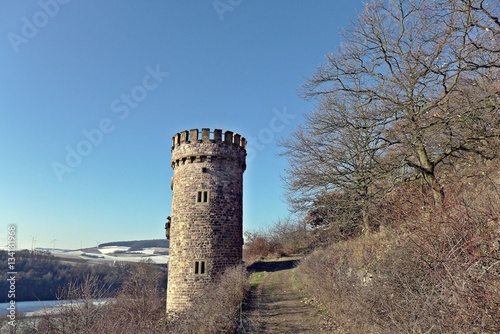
(129, 75)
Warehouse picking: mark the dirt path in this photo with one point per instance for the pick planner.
(276, 303)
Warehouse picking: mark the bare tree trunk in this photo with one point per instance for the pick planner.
(366, 220)
(437, 189)
(429, 175)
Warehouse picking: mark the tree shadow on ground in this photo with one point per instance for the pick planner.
(272, 266)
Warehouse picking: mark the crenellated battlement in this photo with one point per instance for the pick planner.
(193, 136)
(206, 146)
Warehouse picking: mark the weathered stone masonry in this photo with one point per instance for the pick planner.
(206, 226)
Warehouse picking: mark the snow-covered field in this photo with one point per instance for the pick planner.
(112, 254)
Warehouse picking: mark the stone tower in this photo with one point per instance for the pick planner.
(206, 226)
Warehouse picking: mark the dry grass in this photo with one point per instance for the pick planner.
(218, 309)
(438, 271)
(140, 307)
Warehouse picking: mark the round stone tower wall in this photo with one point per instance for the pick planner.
(206, 226)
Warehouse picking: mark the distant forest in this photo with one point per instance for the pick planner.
(40, 276)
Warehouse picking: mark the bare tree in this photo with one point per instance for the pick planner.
(141, 302)
(423, 75)
(80, 313)
(483, 22)
(339, 150)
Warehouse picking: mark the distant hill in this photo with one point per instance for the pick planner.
(138, 244)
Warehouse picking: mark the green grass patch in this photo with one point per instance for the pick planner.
(255, 279)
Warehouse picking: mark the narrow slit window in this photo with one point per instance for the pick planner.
(200, 267)
(202, 196)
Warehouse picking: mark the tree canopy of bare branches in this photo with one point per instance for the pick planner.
(413, 86)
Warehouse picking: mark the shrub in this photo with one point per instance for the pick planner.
(288, 237)
(256, 247)
(283, 238)
(218, 309)
(138, 308)
(437, 272)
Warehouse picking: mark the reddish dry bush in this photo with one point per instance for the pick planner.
(403, 204)
(436, 271)
(256, 247)
(460, 248)
(283, 238)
